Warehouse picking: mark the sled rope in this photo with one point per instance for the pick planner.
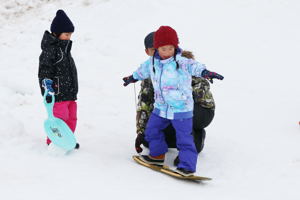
(135, 97)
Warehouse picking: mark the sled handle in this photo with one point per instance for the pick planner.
(49, 106)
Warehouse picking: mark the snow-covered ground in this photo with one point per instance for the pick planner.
(252, 148)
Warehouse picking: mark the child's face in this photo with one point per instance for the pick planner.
(166, 51)
(65, 36)
(150, 51)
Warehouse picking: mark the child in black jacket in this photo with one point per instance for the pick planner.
(57, 70)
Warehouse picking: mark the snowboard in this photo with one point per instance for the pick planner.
(167, 170)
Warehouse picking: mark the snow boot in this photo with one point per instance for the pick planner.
(184, 172)
(77, 146)
(156, 160)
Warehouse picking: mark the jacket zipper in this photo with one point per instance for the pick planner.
(162, 69)
(66, 50)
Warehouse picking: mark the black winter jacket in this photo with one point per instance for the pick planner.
(56, 63)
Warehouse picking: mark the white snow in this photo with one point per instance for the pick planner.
(252, 148)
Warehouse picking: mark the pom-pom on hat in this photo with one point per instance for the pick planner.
(165, 35)
(61, 23)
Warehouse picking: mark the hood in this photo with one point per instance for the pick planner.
(188, 54)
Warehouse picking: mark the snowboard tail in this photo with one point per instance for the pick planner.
(167, 170)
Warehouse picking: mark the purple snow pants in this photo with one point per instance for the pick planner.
(185, 143)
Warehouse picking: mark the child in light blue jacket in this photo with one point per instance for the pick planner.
(171, 76)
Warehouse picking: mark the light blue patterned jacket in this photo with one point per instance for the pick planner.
(172, 87)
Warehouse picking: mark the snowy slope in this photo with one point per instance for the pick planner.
(252, 148)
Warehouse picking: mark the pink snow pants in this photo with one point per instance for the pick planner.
(67, 111)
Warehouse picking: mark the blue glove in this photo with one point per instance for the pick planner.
(47, 85)
(211, 75)
(129, 79)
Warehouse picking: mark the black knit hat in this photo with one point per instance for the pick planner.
(148, 41)
(61, 23)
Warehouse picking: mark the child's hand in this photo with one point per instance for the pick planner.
(211, 75)
(129, 79)
(47, 85)
(138, 142)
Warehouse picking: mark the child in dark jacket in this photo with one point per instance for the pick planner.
(204, 107)
(57, 70)
(171, 76)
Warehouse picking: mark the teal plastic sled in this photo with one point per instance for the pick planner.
(57, 130)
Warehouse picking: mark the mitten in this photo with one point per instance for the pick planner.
(129, 79)
(211, 75)
(138, 142)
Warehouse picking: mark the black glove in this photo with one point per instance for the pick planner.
(139, 140)
(129, 79)
(211, 75)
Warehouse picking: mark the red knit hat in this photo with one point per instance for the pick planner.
(165, 35)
